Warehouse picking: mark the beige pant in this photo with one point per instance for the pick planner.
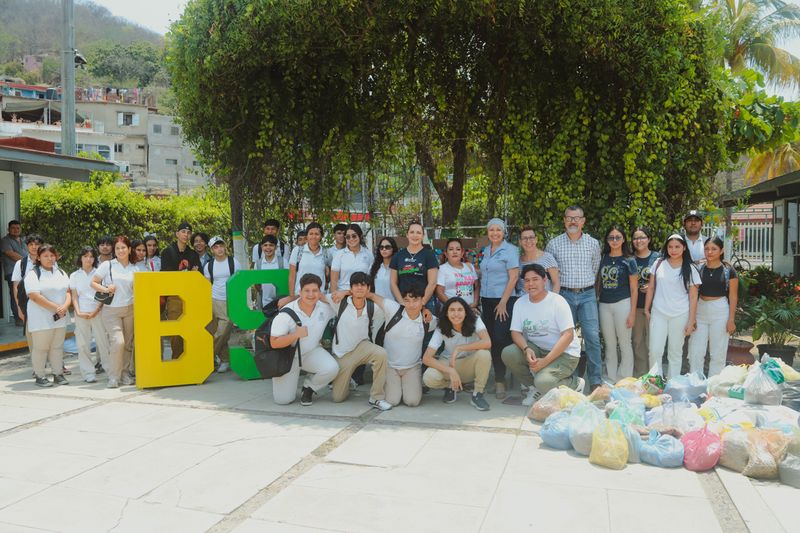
(405, 385)
(613, 319)
(119, 325)
(221, 327)
(641, 348)
(48, 345)
(474, 367)
(84, 331)
(174, 309)
(365, 353)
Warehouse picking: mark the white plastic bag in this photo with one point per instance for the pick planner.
(583, 420)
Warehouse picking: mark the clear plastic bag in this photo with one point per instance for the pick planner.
(662, 450)
(609, 446)
(555, 431)
(682, 415)
(601, 394)
(634, 443)
(553, 401)
(730, 376)
(652, 382)
(626, 413)
(583, 420)
(789, 373)
(789, 471)
(632, 384)
(687, 388)
(735, 450)
(701, 449)
(760, 388)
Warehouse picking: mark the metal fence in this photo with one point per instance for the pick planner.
(752, 240)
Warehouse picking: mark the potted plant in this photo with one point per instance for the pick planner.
(778, 321)
(739, 350)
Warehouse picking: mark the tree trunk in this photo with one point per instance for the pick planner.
(237, 223)
(428, 166)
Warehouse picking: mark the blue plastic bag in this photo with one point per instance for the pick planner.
(634, 444)
(662, 450)
(689, 387)
(555, 431)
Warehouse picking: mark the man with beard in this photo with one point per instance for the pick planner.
(692, 224)
(578, 258)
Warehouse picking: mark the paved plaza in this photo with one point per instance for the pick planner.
(222, 457)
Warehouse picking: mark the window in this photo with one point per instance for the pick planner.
(174, 130)
(171, 161)
(140, 147)
(157, 128)
(118, 148)
(127, 119)
(791, 226)
(195, 163)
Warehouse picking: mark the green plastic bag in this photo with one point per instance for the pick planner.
(737, 391)
(772, 368)
(626, 414)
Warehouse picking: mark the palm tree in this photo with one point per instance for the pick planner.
(753, 31)
(773, 163)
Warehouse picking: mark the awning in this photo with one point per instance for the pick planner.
(786, 186)
(33, 110)
(51, 165)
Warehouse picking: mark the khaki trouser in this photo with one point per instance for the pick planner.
(641, 348)
(405, 385)
(174, 310)
(48, 345)
(221, 327)
(474, 367)
(84, 331)
(119, 325)
(559, 372)
(365, 353)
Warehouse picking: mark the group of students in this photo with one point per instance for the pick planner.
(443, 323)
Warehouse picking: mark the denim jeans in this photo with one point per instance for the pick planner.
(584, 312)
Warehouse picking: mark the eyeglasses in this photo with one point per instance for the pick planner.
(385, 247)
(527, 238)
(615, 237)
(351, 236)
(573, 219)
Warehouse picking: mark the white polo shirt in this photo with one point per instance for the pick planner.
(268, 290)
(310, 263)
(121, 277)
(456, 340)
(352, 328)
(283, 324)
(53, 286)
(696, 248)
(383, 283)
(346, 262)
(403, 343)
(17, 274)
(80, 282)
(222, 273)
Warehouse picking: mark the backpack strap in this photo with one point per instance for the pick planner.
(23, 265)
(370, 314)
(38, 271)
(230, 264)
(342, 309)
(289, 311)
(211, 272)
(397, 317)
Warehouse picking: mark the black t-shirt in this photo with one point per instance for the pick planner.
(644, 266)
(173, 260)
(413, 268)
(716, 280)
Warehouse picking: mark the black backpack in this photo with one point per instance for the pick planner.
(397, 317)
(274, 362)
(211, 268)
(342, 307)
(22, 294)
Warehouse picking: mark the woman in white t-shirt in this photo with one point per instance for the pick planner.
(49, 300)
(671, 303)
(139, 255)
(311, 258)
(116, 277)
(456, 277)
(88, 323)
(466, 356)
(380, 272)
(354, 257)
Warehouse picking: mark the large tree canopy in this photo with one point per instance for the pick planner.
(617, 104)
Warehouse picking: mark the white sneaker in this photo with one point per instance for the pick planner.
(532, 396)
(381, 405)
(90, 379)
(581, 385)
(354, 385)
(127, 380)
(112, 384)
(223, 367)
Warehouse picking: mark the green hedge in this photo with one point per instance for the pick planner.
(70, 215)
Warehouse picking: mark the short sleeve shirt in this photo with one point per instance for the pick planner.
(17, 274)
(457, 281)
(383, 283)
(671, 297)
(222, 273)
(80, 282)
(543, 322)
(614, 276)
(696, 248)
(10, 244)
(268, 291)
(173, 260)
(403, 343)
(578, 261)
(456, 340)
(53, 286)
(310, 263)
(643, 267)
(414, 267)
(546, 260)
(494, 269)
(346, 262)
(283, 324)
(122, 277)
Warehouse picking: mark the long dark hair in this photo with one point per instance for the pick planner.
(467, 328)
(716, 241)
(626, 248)
(147, 239)
(648, 234)
(355, 228)
(378, 261)
(83, 251)
(686, 258)
(446, 246)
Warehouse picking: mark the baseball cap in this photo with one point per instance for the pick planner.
(216, 239)
(693, 213)
(184, 225)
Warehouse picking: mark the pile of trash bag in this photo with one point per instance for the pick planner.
(735, 420)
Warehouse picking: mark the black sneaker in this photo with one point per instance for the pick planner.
(479, 402)
(307, 397)
(449, 396)
(98, 369)
(60, 380)
(43, 382)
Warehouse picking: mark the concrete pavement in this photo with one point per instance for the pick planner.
(222, 457)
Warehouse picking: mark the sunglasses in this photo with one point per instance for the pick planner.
(385, 247)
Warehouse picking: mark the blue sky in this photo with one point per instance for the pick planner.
(157, 15)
